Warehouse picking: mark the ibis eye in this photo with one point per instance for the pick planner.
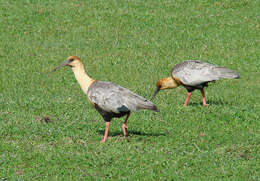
(71, 60)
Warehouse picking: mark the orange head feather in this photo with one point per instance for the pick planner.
(72, 61)
(165, 83)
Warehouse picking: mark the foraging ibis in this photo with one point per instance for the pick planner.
(109, 99)
(194, 74)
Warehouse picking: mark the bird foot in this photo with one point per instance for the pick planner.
(205, 105)
(124, 128)
(103, 140)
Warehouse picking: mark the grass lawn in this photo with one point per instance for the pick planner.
(132, 43)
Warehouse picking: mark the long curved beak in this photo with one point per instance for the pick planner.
(156, 91)
(61, 65)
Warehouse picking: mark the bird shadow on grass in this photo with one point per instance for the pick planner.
(131, 132)
(210, 102)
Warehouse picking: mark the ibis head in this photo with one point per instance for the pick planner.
(165, 83)
(72, 61)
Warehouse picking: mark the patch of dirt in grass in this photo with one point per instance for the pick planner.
(44, 119)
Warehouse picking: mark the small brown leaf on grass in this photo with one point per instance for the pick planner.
(18, 172)
(44, 119)
(202, 134)
(244, 155)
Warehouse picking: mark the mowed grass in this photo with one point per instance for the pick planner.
(131, 43)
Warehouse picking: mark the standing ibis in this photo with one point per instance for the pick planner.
(194, 74)
(109, 99)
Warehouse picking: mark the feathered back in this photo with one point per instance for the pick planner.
(194, 72)
(114, 98)
(223, 72)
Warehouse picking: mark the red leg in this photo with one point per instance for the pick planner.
(124, 127)
(106, 132)
(187, 99)
(203, 98)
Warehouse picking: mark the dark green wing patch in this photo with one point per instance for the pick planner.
(123, 108)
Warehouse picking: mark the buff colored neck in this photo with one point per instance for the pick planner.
(83, 79)
(169, 83)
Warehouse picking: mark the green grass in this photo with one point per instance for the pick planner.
(131, 43)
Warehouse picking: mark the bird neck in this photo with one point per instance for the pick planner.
(169, 83)
(83, 79)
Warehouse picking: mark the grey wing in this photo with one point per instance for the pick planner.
(114, 98)
(196, 72)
